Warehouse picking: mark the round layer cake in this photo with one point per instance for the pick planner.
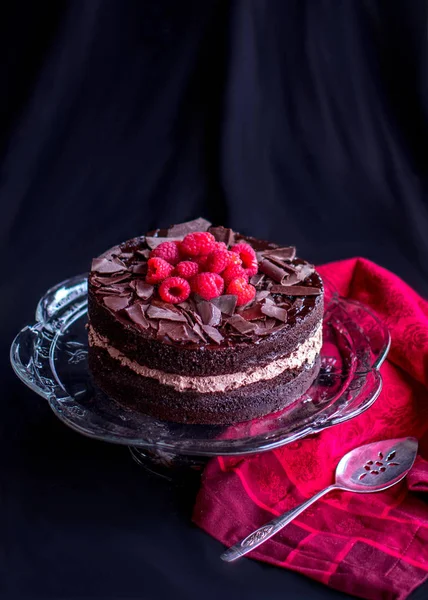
(231, 345)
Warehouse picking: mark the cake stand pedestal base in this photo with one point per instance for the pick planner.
(169, 466)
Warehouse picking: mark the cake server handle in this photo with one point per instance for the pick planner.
(263, 533)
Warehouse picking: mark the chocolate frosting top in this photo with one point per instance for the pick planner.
(287, 290)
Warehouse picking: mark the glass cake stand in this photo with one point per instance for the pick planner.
(50, 357)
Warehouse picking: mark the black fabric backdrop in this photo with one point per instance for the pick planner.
(301, 121)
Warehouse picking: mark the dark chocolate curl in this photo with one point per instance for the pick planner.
(273, 271)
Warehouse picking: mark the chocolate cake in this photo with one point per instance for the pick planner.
(200, 324)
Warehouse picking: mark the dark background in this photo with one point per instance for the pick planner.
(300, 121)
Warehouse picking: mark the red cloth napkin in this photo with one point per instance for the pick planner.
(373, 545)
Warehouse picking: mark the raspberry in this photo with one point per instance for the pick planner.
(186, 269)
(220, 246)
(198, 243)
(248, 257)
(242, 289)
(174, 290)
(232, 272)
(202, 262)
(158, 270)
(207, 285)
(234, 258)
(217, 261)
(168, 251)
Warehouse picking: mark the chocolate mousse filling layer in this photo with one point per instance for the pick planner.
(305, 353)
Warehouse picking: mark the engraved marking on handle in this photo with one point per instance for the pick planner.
(257, 536)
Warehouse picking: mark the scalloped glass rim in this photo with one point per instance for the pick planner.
(50, 358)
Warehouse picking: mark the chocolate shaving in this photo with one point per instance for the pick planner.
(270, 323)
(155, 312)
(300, 274)
(226, 303)
(213, 333)
(241, 324)
(110, 280)
(275, 311)
(223, 234)
(184, 305)
(262, 294)
(139, 268)
(295, 290)
(284, 253)
(209, 313)
(116, 303)
(256, 279)
(144, 253)
(182, 229)
(120, 289)
(125, 255)
(137, 316)
(103, 265)
(253, 313)
(288, 267)
(143, 290)
(198, 330)
(276, 273)
(153, 242)
(175, 331)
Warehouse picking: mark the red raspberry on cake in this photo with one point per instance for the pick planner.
(248, 257)
(244, 291)
(234, 258)
(218, 260)
(186, 269)
(174, 290)
(169, 251)
(233, 272)
(158, 270)
(202, 262)
(199, 243)
(207, 285)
